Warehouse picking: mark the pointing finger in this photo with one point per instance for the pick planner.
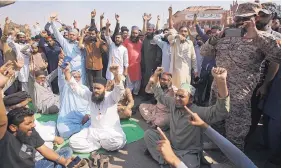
(162, 134)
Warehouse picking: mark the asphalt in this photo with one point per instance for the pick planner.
(132, 155)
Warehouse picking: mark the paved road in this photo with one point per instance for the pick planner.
(132, 156)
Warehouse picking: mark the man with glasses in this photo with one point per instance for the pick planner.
(74, 111)
(45, 101)
(242, 58)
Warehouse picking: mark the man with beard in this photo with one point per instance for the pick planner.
(101, 35)
(242, 58)
(268, 69)
(70, 47)
(118, 54)
(158, 115)
(134, 45)
(105, 130)
(17, 47)
(151, 54)
(163, 43)
(19, 140)
(93, 47)
(185, 138)
(183, 57)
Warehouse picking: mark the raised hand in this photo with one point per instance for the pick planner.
(114, 69)
(54, 17)
(219, 73)
(117, 17)
(147, 17)
(159, 70)
(93, 13)
(252, 31)
(102, 16)
(26, 26)
(6, 74)
(195, 19)
(194, 119)
(108, 24)
(7, 20)
(170, 9)
(4, 67)
(74, 24)
(158, 18)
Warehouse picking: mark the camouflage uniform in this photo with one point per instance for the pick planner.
(242, 59)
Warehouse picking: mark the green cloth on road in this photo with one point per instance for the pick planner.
(130, 127)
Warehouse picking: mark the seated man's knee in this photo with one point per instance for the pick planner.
(53, 109)
(113, 144)
(149, 135)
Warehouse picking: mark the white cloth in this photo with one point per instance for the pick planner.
(117, 55)
(183, 59)
(166, 51)
(47, 132)
(90, 139)
(105, 120)
(17, 47)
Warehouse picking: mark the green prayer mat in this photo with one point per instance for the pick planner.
(130, 127)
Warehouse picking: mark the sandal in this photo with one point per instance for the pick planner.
(104, 159)
(93, 162)
(84, 163)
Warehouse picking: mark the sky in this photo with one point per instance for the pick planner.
(29, 12)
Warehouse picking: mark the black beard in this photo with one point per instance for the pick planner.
(90, 39)
(260, 26)
(98, 99)
(22, 137)
(164, 87)
(165, 39)
(117, 44)
(134, 39)
(150, 35)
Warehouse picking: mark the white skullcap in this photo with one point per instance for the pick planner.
(189, 88)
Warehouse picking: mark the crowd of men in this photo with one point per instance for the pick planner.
(90, 77)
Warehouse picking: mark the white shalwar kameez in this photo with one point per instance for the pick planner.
(105, 130)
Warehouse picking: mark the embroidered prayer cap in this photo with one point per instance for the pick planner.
(101, 81)
(248, 9)
(189, 88)
(20, 34)
(73, 31)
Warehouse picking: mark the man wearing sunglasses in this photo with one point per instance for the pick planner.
(241, 55)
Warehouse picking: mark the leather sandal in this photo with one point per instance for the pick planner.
(93, 162)
(104, 159)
